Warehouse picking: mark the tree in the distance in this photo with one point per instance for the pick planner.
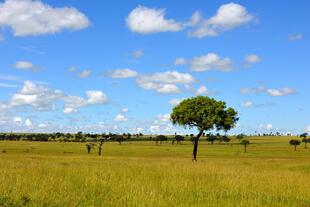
(295, 143)
(245, 143)
(203, 113)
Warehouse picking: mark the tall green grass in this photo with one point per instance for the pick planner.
(145, 174)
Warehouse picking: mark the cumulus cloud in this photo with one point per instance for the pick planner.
(265, 126)
(25, 65)
(285, 91)
(125, 110)
(84, 73)
(146, 20)
(295, 37)
(251, 59)
(27, 17)
(28, 123)
(80, 74)
(38, 96)
(207, 62)
(256, 90)
(43, 125)
(247, 104)
(96, 97)
(165, 82)
(180, 61)
(175, 101)
(308, 128)
(203, 91)
(43, 98)
(228, 17)
(120, 118)
(122, 73)
(281, 92)
(18, 120)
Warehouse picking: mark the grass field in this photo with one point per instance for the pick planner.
(271, 173)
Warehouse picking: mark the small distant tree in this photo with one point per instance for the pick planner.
(89, 147)
(294, 142)
(306, 141)
(178, 139)
(119, 139)
(303, 135)
(240, 136)
(160, 139)
(245, 143)
(211, 138)
(203, 113)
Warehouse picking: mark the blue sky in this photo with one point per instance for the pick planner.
(120, 67)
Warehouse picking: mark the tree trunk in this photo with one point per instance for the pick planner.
(99, 151)
(196, 146)
(244, 148)
(295, 147)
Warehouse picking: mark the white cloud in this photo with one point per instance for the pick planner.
(252, 59)
(174, 102)
(42, 98)
(247, 104)
(228, 17)
(173, 77)
(120, 118)
(43, 125)
(280, 92)
(202, 91)
(195, 19)
(259, 89)
(271, 92)
(25, 65)
(80, 74)
(27, 17)
(84, 74)
(69, 110)
(163, 117)
(28, 123)
(38, 96)
(208, 62)
(122, 73)
(96, 97)
(18, 120)
(138, 53)
(180, 61)
(165, 82)
(295, 37)
(265, 126)
(155, 128)
(125, 110)
(146, 20)
(308, 129)
(168, 88)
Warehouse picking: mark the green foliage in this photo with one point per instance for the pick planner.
(204, 113)
(295, 143)
(245, 142)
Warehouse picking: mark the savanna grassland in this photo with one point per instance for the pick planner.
(271, 173)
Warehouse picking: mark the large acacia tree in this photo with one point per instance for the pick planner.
(204, 114)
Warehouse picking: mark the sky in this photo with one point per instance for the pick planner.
(116, 66)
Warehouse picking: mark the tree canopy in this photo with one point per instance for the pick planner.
(205, 114)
